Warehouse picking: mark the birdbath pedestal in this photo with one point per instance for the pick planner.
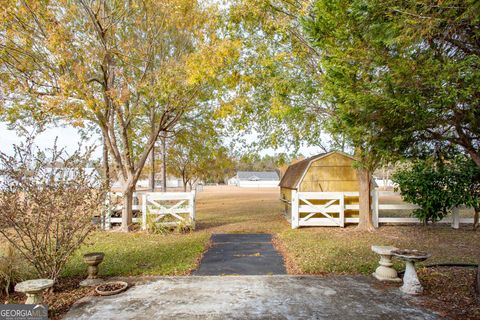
(385, 272)
(33, 289)
(411, 284)
(92, 260)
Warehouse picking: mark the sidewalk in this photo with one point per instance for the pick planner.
(253, 297)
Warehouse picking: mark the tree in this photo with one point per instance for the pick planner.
(48, 201)
(391, 89)
(256, 162)
(112, 63)
(275, 91)
(197, 154)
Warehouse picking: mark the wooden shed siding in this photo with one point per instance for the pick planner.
(333, 173)
(333, 159)
(286, 194)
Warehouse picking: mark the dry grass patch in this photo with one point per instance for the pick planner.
(335, 250)
(240, 210)
(451, 292)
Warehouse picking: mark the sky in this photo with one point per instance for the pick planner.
(68, 137)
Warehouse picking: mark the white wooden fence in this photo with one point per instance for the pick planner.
(306, 210)
(180, 206)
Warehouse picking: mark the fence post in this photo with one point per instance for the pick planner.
(455, 218)
(375, 208)
(341, 214)
(144, 211)
(192, 208)
(295, 213)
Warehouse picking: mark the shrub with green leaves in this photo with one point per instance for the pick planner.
(438, 186)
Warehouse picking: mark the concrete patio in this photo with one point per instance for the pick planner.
(254, 297)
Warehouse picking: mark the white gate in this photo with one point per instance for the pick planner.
(178, 205)
(306, 211)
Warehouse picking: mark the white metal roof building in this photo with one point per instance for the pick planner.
(255, 179)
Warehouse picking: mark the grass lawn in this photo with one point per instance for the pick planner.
(141, 254)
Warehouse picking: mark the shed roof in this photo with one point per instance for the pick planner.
(294, 174)
(258, 175)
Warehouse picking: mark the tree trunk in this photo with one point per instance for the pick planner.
(164, 163)
(106, 180)
(475, 218)
(365, 201)
(152, 153)
(127, 211)
(106, 167)
(152, 170)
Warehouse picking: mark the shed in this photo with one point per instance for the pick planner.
(317, 189)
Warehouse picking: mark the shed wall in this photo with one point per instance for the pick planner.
(333, 173)
(286, 195)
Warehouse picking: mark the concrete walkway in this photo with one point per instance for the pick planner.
(253, 297)
(241, 254)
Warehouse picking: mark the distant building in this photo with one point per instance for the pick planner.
(172, 182)
(255, 179)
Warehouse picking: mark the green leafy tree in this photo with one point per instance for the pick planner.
(256, 162)
(196, 154)
(398, 77)
(426, 185)
(274, 84)
(282, 94)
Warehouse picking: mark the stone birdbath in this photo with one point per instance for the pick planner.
(411, 284)
(385, 272)
(34, 289)
(92, 259)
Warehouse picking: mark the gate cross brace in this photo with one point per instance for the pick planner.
(319, 210)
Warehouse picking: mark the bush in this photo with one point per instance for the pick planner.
(47, 200)
(438, 186)
(162, 226)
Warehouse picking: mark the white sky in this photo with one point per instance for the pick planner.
(68, 137)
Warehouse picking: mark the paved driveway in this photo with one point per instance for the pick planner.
(253, 297)
(241, 254)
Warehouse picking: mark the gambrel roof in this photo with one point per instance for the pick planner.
(295, 172)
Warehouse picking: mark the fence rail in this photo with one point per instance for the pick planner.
(328, 209)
